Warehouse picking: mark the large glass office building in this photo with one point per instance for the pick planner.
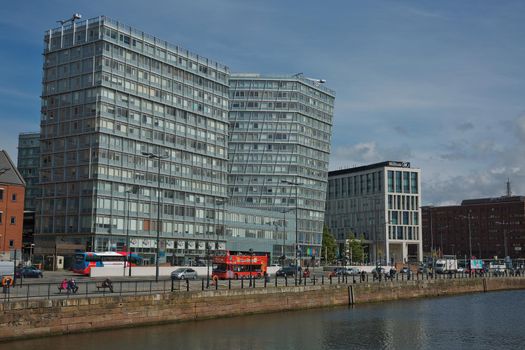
(114, 101)
(378, 204)
(279, 146)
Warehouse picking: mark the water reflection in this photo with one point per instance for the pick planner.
(479, 321)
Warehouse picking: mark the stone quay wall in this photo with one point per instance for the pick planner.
(37, 318)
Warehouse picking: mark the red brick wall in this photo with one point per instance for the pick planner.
(10, 208)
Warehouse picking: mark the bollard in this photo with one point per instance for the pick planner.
(229, 283)
(276, 280)
(330, 279)
(242, 282)
(322, 279)
(313, 280)
(202, 284)
(285, 281)
(187, 286)
(216, 284)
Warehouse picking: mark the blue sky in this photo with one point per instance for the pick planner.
(438, 83)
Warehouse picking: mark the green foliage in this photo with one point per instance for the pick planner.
(356, 249)
(329, 246)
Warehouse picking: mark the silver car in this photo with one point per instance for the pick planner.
(184, 273)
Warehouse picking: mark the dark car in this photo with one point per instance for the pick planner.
(340, 271)
(29, 271)
(287, 271)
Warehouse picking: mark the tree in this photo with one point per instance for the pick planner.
(329, 247)
(357, 252)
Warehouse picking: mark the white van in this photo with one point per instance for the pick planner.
(7, 268)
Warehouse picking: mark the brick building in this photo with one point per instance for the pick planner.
(485, 228)
(12, 190)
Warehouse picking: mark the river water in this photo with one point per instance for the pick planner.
(476, 321)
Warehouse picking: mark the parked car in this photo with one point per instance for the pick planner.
(380, 270)
(340, 271)
(287, 271)
(353, 271)
(184, 273)
(29, 271)
(404, 270)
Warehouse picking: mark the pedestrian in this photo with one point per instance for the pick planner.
(72, 286)
(108, 284)
(63, 286)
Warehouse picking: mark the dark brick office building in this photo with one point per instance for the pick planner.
(496, 225)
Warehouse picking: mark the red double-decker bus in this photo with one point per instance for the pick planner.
(239, 265)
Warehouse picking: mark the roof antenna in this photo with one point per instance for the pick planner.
(72, 19)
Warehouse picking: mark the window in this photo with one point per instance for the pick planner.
(1, 215)
(1, 194)
(13, 197)
(13, 220)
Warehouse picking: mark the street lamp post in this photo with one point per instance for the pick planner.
(208, 264)
(223, 203)
(157, 253)
(128, 244)
(469, 234)
(296, 185)
(250, 267)
(283, 256)
(31, 247)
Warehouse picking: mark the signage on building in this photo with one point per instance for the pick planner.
(476, 264)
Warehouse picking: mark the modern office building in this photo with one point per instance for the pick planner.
(12, 188)
(262, 231)
(484, 228)
(379, 203)
(28, 165)
(279, 146)
(120, 106)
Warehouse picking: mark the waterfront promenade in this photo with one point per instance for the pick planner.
(29, 289)
(34, 317)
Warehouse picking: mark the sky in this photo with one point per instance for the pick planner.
(439, 84)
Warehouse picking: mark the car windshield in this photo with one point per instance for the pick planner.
(179, 270)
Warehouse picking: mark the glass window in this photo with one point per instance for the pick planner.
(398, 181)
(413, 182)
(406, 188)
(390, 181)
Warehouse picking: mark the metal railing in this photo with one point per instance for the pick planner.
(50, 291)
